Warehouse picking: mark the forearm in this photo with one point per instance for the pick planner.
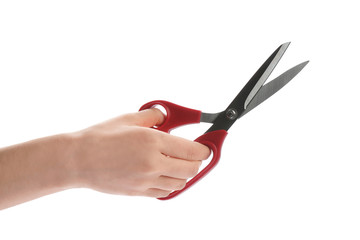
(36, 168)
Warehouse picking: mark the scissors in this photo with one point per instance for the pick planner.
(252, 94)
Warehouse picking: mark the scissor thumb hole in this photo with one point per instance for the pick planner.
(163, 111)
(149, 118)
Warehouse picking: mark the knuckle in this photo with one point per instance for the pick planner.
(190, 154)
(143, 135)
(152, 138)
(142, 185)
(150, 167)
(153, 164)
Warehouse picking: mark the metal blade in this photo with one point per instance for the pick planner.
(208, 117)
(227, 118)
(267, 72)
(272, 87)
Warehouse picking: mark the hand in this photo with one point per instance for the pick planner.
(120, 156)
(125, 156)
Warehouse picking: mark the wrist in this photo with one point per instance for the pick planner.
(68, 156)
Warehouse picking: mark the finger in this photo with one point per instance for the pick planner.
(146, 118)
(169, 183)
(157, 193)
(178, 147)
(179, 168)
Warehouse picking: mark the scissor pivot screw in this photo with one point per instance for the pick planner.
(231, 114)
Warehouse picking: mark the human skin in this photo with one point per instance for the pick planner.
(122, 156)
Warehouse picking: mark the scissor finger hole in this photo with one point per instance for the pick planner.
(162, 109)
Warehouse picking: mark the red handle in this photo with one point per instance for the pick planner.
(214, 141)
(176, 115)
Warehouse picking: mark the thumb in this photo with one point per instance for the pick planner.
(148, 118)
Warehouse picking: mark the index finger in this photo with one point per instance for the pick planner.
(179, 168)
(178, 147)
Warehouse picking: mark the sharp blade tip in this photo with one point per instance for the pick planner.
(286, 44)
(304, 63)
(283, 47)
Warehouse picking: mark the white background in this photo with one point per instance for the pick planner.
(289, 169)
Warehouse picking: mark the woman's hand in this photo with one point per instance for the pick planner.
(125, 156)
(121, 156)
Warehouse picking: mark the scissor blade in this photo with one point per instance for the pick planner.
(265, 71)
(227, 118)
(272, 87)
